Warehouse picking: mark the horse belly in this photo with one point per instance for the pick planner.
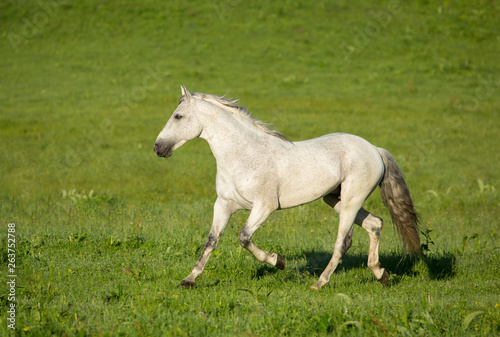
(303, 188)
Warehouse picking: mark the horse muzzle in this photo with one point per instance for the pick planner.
(162, 150)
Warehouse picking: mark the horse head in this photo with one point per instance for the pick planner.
(182, 126)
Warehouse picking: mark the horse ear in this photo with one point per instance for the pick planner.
(185, 92)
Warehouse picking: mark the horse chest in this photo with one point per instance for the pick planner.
(242, 187)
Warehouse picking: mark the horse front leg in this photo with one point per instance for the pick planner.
(222, 212)
(258, 215)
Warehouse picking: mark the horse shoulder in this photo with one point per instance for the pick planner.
(246, 186)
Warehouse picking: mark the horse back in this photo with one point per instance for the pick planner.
(316, 167)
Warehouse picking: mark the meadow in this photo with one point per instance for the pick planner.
(105, 230)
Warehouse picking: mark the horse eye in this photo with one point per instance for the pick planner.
(178, 116)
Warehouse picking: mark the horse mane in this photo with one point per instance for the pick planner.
(239, 111)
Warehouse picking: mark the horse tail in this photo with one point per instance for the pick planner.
(397, 199)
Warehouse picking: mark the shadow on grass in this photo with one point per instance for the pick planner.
(263, 270)
(439, 266)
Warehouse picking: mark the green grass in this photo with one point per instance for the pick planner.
(105, 230)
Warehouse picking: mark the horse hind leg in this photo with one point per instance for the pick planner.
(373, 226)
(348, 212)
(334, 201)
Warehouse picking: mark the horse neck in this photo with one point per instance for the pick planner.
(232, 138)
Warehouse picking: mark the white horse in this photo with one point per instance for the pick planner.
(261, 170)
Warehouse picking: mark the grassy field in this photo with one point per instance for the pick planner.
(105, 230)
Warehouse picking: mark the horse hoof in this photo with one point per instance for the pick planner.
(385, 278)
(187, 284)
(280, 262)
(314, 287)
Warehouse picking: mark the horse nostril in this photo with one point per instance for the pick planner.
(155, 148)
